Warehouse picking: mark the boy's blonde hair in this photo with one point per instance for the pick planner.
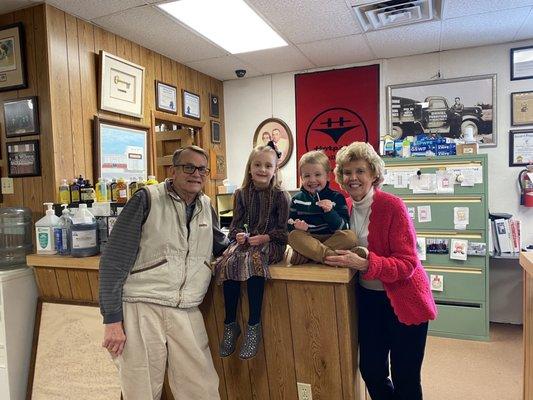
(315, 157)
(247, 181)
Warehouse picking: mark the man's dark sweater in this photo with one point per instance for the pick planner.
(303, 206)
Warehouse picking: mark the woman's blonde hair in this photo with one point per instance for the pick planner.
(315, 157)
(247, 181)
(355, 152)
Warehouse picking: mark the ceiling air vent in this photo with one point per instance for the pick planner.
(392, 13)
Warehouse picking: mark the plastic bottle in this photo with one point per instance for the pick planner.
(113, 187)
(44, 231)
(151, 180)
(83, 233)
(64, 192)
(62, 232)
(74, 192)
(101, 190)
(133, 186)
(121, 191)
(87, 193)
(141, 183)
(109, 192)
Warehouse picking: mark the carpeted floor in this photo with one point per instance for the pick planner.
(467, 370)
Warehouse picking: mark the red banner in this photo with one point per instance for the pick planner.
(335, 108)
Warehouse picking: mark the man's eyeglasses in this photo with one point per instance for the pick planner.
(190, 169)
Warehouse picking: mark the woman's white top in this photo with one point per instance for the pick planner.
(359, 220)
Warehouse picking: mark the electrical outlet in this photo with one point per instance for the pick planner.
(304, 391)
(7, 185)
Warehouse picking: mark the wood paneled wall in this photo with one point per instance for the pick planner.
(63, 64)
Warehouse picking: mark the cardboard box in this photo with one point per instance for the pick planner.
(467, 148)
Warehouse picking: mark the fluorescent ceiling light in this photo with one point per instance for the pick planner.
(231, 24)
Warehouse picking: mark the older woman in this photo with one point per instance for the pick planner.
(395, 301)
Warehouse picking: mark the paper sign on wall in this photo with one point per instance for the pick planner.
(421, 248)
(458, 249)
(461, 217)
(411, 211)
(424, 213)
(437, 282)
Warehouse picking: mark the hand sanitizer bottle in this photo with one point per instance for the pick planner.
(62, 232)
(44, 231)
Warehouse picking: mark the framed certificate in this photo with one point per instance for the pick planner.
(191, 105)
(166, 97)
(520, 147)
(522, 108)
(522, 63)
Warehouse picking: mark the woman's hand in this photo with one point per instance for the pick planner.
(241, 237)
(326, 205)
(258, 240)
(301, 225)
(345, 258)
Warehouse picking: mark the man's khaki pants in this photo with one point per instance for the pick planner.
(156, 334)
(317, 247)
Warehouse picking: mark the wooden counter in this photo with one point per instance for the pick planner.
(309, 328)
(526, 261)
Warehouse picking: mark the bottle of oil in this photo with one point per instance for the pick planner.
(64, 192)
(87, 192)
(141, 183)
(133, 186)
(121, 191)
(113, 189)
(75, 192)
(101, 190)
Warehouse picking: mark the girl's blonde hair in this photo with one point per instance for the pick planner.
(247, 181)
(315, 157)
(355, 152)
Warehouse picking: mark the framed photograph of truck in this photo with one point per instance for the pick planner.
(460, 108)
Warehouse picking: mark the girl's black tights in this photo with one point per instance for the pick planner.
(232, 290)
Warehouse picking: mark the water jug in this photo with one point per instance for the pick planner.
(15, 236)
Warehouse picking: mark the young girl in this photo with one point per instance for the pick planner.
(258, 235)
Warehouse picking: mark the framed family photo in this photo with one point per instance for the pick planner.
(121, 85)
(23, 159)
(12, 57)
(456, 108)
(276, 130)
(191, 104)
(166, 97)
(520, 147)
(522, 63)
(522, 108)
(21, 116)
(121, 150)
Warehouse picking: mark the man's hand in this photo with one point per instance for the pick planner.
(241, 237)
(301, 225)
(326, 205)
(258, 240)
(114, 338)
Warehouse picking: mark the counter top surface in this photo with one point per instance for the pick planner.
(280, 271)
(526, 261)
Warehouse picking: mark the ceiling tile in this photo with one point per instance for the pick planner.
(405, 40)
(90, 9)
(339, 51)
(12, 5)
(482, 29)
(155, 30)
(223, 68)
(280, 59)
(302, 21)
(459, 8)
(526, 32)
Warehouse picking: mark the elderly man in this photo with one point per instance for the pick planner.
(154, 272)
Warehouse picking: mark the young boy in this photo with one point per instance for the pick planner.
(318, 217)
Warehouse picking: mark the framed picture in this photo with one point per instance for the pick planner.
(166, 97)
(520, 147)
(23, 159)
(191, 104)
(12, 57)
(278, 131)
(522, 63)
(121, 85)
(67, 343)
(213, 106)
(215, 131)
(455, 108)
(121, 150)
(21, 117)
(522, 108)
(217, 164)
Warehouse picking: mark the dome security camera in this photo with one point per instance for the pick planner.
(240, 73)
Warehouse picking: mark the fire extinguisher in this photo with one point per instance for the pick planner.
(525, 180)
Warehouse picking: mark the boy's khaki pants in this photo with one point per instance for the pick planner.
(317, 247)
(156, 335)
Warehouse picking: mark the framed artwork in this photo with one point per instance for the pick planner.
(191, 104)
(121, 85)
(67, 342)
(520, 147)
(452, 108)
(522, 63)
(279, 132)
(217, 164)
(23, 159)
(12, 57)
(21, 117)
(215, 131)
(522, 108)
(213, 106)
(166, 97)
(121, 150)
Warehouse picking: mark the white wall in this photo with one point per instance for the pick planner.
(247, 102)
